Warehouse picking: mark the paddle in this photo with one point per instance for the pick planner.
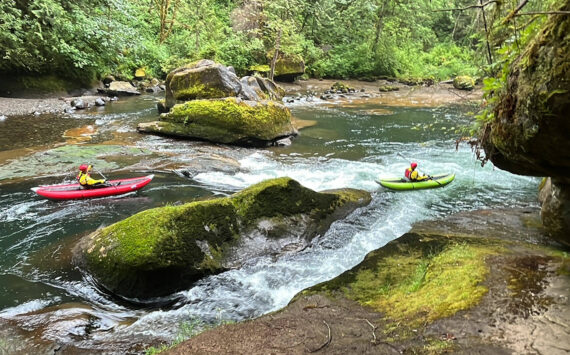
(104, 177)
(100, 173)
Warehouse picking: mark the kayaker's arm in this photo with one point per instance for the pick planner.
(415, 176)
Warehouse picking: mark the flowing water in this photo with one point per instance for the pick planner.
(43, 297)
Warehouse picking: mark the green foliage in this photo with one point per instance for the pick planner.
(444, 61)
(510, 43)
(336, 38)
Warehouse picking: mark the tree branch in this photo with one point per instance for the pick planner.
(329, 338)
(544, 13)
(469, 7)
(515, 11)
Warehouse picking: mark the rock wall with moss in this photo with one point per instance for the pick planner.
(163, 250)
(529, 131)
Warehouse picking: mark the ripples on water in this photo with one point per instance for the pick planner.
(348, 148)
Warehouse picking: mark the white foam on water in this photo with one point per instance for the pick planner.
(26, 307)
(266, 284)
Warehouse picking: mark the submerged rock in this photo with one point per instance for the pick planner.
(228, 121)
(163, 250)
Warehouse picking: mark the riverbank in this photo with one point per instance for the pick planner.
(428, 96)
(39, 106)
(384, 92)
(485, 282)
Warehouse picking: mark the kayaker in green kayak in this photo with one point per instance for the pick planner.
(413, 175)
(85, 179)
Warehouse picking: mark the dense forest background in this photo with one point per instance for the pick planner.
(363, 39)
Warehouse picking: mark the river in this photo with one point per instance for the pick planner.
(44, 299)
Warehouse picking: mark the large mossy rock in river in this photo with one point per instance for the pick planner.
(529, 132)
(163, 250)
(228, 121)
(204, 79)
(288, 67)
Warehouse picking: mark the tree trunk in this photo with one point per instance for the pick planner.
(274, 60)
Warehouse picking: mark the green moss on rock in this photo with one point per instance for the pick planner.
(464, 83)
(528, 135)
(415, 280)
(290, 64)
(388, 88)
(203, 79)
(162, 250)
(229, 121)
(260, 68)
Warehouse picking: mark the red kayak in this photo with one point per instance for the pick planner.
(75, 191)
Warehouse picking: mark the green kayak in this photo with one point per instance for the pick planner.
(404, 184)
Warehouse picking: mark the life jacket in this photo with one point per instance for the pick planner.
(82, 178)
(408, 173)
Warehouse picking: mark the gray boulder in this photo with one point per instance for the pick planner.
(204, 79)
(119, 88)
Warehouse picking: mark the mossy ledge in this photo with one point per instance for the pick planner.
(417, 279)
(228, 121)
(163, 250)
(478, 282)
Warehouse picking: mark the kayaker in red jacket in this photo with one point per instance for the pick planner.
(413, 175)
(86, 180)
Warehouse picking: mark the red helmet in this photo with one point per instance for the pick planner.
(414, 165)
(83, 168)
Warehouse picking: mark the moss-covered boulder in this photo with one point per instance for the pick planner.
(262, 69)
(140, 73)
(203, 79)
(288, 67)
(163, 250)
(464, 82)
(228, 121)
(341, 87)
(388, 88)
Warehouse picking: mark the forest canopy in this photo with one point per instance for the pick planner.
(87, 39)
